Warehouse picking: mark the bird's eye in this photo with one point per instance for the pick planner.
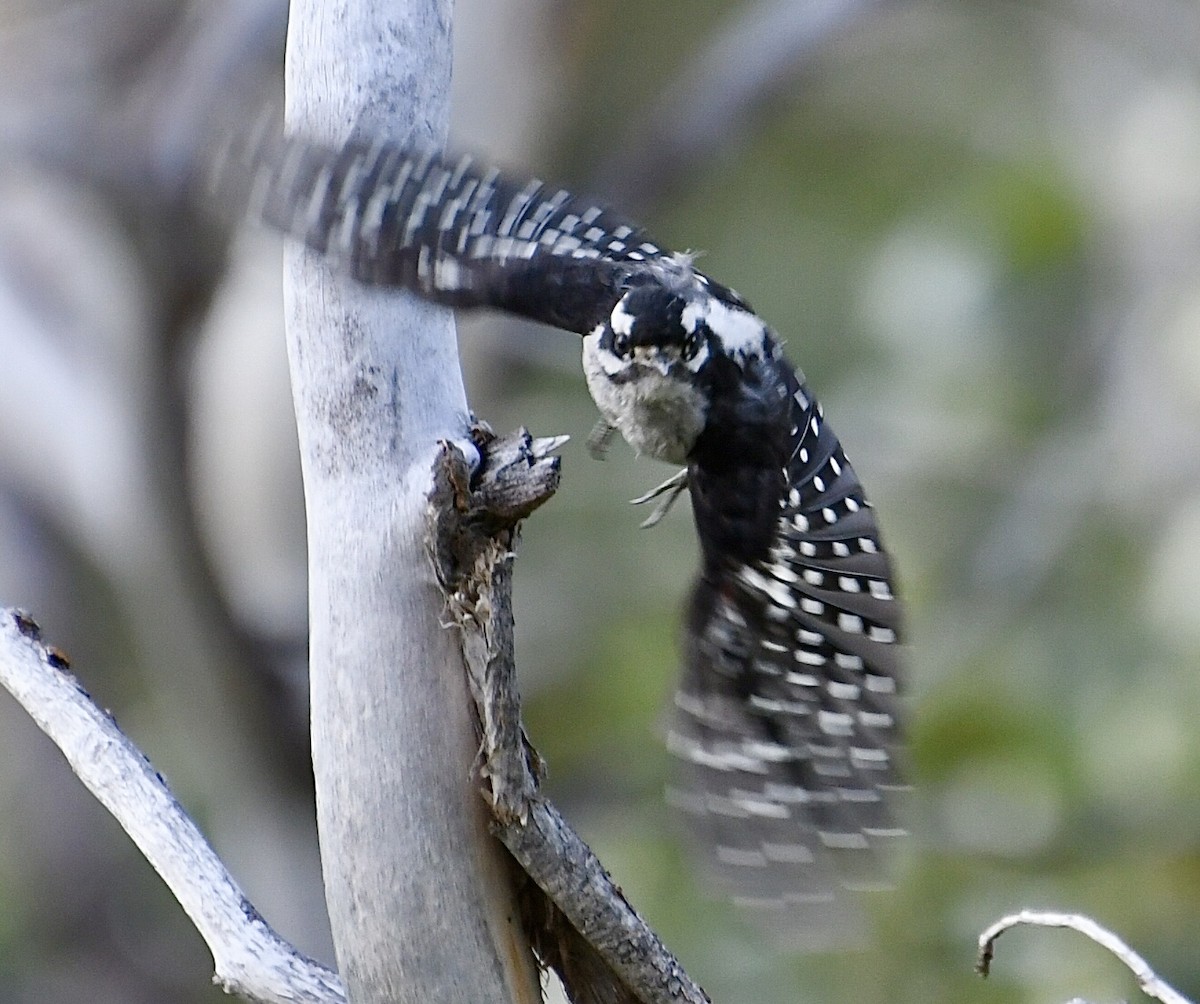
(621, 344)
(691, 345)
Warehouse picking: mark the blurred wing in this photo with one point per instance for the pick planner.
(454, 231)
(786, 717)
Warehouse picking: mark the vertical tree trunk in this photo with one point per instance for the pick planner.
(418, 892)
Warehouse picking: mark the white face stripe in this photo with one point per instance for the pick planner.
(691, 317)
(621, 320)
(740, 332)
(699, 359)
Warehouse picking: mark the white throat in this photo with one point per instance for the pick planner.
(660, 416)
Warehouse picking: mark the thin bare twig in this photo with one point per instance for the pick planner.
(250, 959)
(1147, 979)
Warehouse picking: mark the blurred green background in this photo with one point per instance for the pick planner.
(977, 227)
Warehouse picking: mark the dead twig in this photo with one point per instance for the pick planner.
(582, 926)
(1147, 979)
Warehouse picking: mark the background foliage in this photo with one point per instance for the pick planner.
(977, 225)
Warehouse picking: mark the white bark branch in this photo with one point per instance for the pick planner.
(420, 895)
(249, 958)
(1147, 979)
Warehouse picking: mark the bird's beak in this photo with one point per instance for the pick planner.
(655, 359)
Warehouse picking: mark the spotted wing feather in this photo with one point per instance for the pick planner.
(786, 717)
(452, 230)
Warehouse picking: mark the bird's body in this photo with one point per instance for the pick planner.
(786, 714)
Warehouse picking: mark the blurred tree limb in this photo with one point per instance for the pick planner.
(710, 107)
(107, 274)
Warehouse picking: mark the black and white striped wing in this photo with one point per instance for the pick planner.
(454, 231)
(786, 716)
